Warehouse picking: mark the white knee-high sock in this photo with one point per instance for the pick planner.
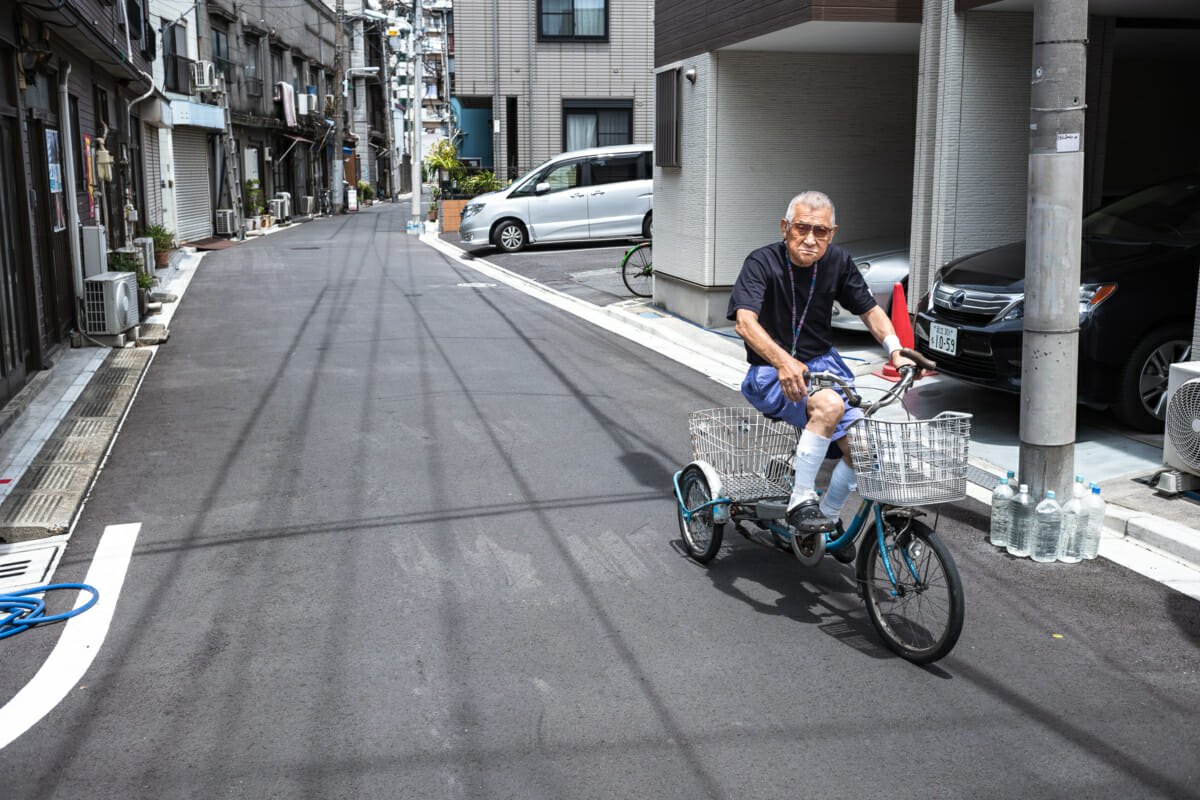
(841, 483)
(810, 452)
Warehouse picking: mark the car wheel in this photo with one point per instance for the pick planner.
(1143, 400)
(509, 236)
(648, 226)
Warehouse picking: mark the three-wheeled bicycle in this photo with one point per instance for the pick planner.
(742, 475)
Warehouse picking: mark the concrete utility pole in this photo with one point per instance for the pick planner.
(339, 77)
(418, 82)
(386, 43)
(1050, 351)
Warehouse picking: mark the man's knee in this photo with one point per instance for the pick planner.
(826, 406)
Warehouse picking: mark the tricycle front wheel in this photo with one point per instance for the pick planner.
(921, 616)
(701, 534)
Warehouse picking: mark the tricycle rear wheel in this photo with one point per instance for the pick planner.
(702, 535)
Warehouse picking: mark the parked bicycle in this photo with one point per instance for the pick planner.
(637, 269)
(742, 474)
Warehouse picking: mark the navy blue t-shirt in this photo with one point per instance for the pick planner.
(762, 287)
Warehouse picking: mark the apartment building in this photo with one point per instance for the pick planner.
(556, 74)
(271, 66)
(74, 75)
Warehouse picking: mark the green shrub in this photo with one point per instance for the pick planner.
(163, 238)
(122, 261)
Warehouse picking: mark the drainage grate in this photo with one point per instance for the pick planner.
(981, 477)
(23, 566)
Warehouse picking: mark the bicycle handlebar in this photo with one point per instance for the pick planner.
(908, 374)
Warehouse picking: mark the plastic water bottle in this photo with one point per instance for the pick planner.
(1074, 526)
(1047, 530)
(1002, 512)
(1095, 523)
(1022, 523)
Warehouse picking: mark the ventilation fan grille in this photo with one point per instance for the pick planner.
(1183, 422)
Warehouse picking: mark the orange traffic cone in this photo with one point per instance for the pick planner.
(904, 331)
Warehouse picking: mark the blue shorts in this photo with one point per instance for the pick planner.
(761, 387)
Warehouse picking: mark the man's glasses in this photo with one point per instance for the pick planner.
(821, 233)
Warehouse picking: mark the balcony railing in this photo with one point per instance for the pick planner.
(178, 74)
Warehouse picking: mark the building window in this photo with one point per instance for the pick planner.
(220, 50)
(175, 60)
(277, 67)
(253, 76)
(666, 118)
(573, 20)
(597, 123)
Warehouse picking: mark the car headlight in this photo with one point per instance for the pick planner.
(471, 209)
(1015, 311)
(863, 266)
(1092, 295)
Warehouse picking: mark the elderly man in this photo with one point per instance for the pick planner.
(782, 304)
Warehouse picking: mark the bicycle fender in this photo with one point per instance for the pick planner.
(711, 475)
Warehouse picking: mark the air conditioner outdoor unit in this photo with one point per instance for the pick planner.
(277, 208)
(1181, 439)
(308, 205)
(302, 104)
(95, 250)
(286, 197)
(204, 76)
(110, 303)
(226, 224)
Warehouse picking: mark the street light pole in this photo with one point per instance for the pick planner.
(418, 83)
(335, 173)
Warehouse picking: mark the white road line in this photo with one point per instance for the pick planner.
(80, 640)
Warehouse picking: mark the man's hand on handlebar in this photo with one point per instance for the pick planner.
(792, 379)
(905, 357)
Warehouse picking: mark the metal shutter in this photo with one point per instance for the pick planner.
(192, 197)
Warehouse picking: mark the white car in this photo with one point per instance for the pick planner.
(883, 263)
(599, 193)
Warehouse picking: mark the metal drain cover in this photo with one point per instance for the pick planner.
(27, 564)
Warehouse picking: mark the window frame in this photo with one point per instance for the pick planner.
(542, 36)
(588, 104)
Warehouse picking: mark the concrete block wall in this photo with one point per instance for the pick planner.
(685, 233)
(758, 128)
(841, 124)
(993, 147)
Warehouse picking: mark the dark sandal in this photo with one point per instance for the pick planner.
(807, 518)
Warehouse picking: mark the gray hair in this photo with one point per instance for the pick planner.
(814, 200)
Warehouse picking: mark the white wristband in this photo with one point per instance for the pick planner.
(891, 343)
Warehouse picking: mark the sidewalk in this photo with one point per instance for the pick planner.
(1154, 535)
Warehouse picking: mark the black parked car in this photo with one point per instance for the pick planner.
(1137, 305)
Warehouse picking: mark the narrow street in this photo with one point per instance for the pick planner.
(407, 533)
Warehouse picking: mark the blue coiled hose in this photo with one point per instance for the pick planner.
(20, 611)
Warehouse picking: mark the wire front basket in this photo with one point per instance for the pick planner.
(752, 454)
(912, 462)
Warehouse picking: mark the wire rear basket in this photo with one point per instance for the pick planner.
(912, 462)
(752, 454)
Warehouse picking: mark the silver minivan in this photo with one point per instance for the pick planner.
(599, 193)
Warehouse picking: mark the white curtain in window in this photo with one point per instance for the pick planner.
(581, 131)
(556, 17)
(589, 17)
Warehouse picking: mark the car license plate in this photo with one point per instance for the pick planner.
(943, 338)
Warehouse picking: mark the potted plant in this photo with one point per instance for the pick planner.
(443, 157)
(123, 260)
(366, 194)
(254, 197)
(164, 241)
(468, 186)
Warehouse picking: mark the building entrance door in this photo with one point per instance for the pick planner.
(15, 350)
(58, 291)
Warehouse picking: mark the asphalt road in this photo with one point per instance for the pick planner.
(407, 534)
